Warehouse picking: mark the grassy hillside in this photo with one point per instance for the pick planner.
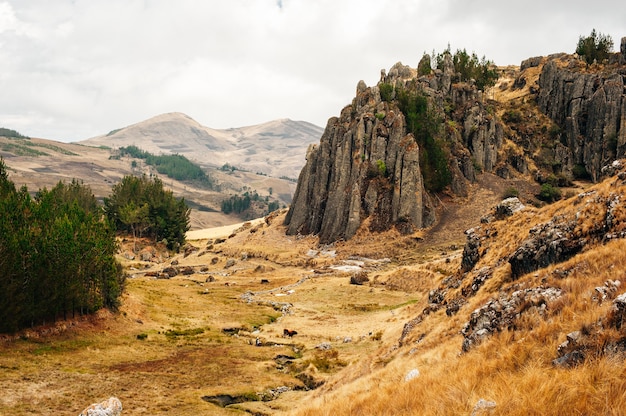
(219, 329)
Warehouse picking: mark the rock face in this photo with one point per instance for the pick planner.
(367, 164)
(590, 109)
(110, 407)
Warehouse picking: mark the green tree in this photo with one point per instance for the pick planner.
(57, 255)
(595, 47)
(167, 217)
(470, 67)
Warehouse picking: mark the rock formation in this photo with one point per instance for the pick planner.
(590, 108)
(369, 165)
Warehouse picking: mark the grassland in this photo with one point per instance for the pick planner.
(219, 331)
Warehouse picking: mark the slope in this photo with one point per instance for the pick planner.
(275, 148)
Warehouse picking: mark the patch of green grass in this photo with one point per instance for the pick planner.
(174, 333)
(60, 347)
(264, 319)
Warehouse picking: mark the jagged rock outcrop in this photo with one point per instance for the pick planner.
(367, 164)
(503, 312)
(590, 108)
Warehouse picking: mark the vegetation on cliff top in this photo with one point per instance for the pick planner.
(595, 47)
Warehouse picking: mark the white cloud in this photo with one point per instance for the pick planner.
(73, 69)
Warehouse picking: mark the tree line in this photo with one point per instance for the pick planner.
(58, 246)
(240, 203)
(57, 254)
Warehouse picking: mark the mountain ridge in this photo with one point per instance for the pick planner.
(275, 148)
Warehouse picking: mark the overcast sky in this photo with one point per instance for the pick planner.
(74, 69)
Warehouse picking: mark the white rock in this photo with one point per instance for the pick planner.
(414, 373)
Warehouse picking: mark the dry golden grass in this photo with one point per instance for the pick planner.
(90, 359)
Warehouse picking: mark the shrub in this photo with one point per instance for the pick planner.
(549, 193)
(580, 172)
(510, 192)
(512, 116)
(386, 91)
(382, 168)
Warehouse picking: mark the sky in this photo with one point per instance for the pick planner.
(75, 69)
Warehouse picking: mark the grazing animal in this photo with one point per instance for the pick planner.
(289, 333)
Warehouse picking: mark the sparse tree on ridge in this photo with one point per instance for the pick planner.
(594, 48)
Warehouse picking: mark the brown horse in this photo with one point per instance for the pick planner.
(289, 333)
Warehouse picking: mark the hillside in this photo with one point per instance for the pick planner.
(261, 153)
(414, 338)
(275, 148)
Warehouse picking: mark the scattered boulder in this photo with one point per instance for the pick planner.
(210, 279)
(359, 278)
(170, 271)
(230, 263)
(110, 407)
(607, 291)
(508, 207)
(189, 249)
(503, 312)
(186, 271)
(414, 373)
(479, 279)
(617, 315)
(570, 359)
(483, 407)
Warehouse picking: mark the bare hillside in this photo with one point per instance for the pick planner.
(276, 148)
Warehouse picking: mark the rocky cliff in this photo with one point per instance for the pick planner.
(369, 165)
(589, 106)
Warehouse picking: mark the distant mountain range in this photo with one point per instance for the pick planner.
(276, 148)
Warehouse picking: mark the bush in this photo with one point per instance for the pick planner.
(386, 91)
(595, 47)
(549, 193)
(580, 172)
(382, 168)
(510, 193)
(512, 116)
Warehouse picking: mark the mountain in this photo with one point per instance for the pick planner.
(275, 148)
